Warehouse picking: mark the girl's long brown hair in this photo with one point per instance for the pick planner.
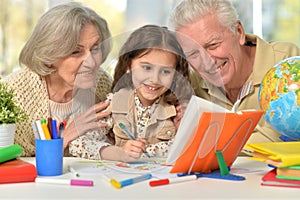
(139, 43)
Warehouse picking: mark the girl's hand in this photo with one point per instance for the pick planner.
(119, 154)
(136, 146)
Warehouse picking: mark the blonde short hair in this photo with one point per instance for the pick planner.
(57, 33)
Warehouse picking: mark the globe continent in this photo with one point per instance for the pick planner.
(279, 97)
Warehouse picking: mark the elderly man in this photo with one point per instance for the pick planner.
(225, 60)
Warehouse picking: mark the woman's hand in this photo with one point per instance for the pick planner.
(86, 121)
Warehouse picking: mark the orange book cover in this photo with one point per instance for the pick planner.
(202, 135)
(17, 170)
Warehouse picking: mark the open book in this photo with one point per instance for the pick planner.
(206, 129)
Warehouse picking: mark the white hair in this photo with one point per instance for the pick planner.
(56, 36)
(189, 11)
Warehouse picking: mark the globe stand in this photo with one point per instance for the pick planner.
(287, 139)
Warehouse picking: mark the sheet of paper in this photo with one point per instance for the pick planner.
(118, 169)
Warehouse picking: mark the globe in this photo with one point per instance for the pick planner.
(279, 97)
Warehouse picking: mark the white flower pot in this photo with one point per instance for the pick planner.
(7, 134)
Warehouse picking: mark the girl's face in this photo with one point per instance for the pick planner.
(152, 74)
(80, 68)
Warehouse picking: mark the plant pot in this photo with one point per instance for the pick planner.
(7, 134)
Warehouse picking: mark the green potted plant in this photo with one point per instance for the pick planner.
(10, 114)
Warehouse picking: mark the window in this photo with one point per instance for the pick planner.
(272, 20)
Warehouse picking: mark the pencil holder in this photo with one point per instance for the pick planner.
(49, 157)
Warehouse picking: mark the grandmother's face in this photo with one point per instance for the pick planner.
(80, 68)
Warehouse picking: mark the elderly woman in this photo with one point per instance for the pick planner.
(63, 80)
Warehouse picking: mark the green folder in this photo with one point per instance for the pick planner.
(10, 152)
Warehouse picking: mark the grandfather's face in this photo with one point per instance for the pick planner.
(212, 50)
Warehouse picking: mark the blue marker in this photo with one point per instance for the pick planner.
(127, 132)
(120, 184)
(54, 129)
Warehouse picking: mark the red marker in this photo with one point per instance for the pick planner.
(65, 124)
(172, 180)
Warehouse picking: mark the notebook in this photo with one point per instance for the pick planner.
(16, 171)
(10, 152)
(206, 129)
(290, 172)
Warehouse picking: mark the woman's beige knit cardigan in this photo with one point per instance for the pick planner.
(31, 95)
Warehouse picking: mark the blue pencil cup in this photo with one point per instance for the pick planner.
(49, 157)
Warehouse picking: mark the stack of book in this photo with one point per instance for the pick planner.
(12, 168)
(273, 178)
(284, 157)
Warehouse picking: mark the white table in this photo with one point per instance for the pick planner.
(203, 188)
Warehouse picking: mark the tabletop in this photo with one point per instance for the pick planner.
(202, 188)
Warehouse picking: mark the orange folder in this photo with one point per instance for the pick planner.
(227, 132)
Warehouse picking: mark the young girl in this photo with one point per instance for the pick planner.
(150, 80)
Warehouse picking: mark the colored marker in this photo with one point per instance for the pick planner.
(65, 181)
(65, 124)
(35, 131)
(120, 184)
(172, 180)
(46, 130)
(61, 129)
(73, 171)
(54, 129)
(131, 136)
(49, 125)
(40, 129)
